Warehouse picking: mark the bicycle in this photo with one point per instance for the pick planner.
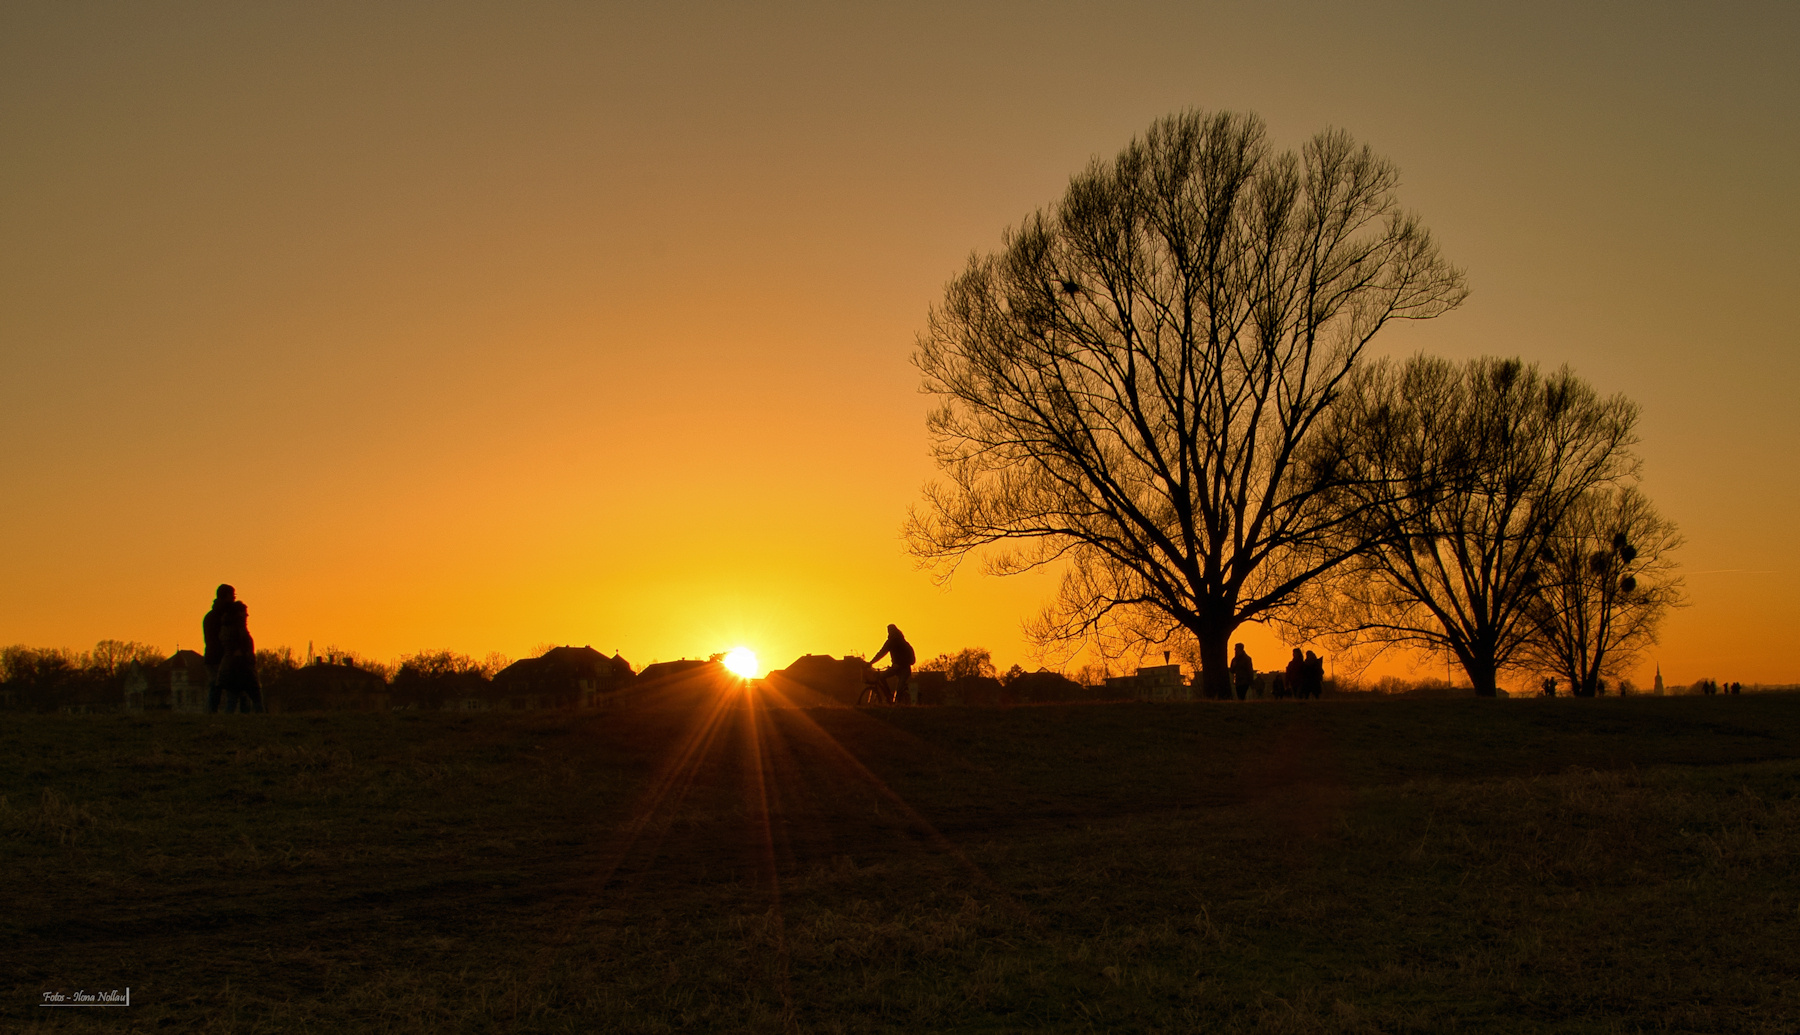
(875, 688)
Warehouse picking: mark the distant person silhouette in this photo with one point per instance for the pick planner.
(1243, 672)
(1295, 676)
(1315, 675)
(897, 648)
(230, 655)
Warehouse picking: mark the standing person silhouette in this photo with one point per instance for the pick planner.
(1315, 675)
(897, 648)
(1243, 671)
(230, 655)
(1296, 675)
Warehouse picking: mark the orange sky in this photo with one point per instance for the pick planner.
(480, 326)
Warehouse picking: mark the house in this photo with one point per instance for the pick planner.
(840, 679)
(563, 677)
(189, 681)
(178, 683)
(1152, 683)
(1045, 686)
(137, 684)
(667, 670)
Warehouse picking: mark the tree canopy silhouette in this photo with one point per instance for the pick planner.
(1132, 383)
(964, 664)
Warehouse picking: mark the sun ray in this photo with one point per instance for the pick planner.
(854, 767)
(659, 803)
(758, 735)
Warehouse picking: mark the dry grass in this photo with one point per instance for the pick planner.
(1603, 866)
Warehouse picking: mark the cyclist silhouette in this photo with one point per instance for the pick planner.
(903, 657)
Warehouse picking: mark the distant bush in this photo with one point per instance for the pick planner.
(429, 678)
(1425, 688)
(968, 663)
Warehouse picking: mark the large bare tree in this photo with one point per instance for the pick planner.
(1131, 385)
(1481, 467)
(1606, 579)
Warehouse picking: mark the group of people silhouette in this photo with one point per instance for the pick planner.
(1303, 677)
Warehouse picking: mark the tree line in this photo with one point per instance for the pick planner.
(50, 679)
(1163, 385)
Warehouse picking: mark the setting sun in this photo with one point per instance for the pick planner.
(742, 661)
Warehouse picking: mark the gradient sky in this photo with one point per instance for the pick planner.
(485, 325)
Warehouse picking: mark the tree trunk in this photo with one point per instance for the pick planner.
(1215, 664)
(1483, 675)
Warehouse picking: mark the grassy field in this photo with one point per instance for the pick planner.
(700, 859)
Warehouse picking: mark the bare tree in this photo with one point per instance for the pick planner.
(1131, 385)
(1477, 470)
(1607, 579)
(109, 658)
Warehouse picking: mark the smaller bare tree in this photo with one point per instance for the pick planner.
(111, 657)
(1606, 580)
(1471, 471)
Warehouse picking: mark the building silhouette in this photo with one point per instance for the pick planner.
(1152, 683)
(177, 683)
(563, 677)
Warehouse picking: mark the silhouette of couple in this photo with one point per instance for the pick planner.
(1305, 675)
(230, 655)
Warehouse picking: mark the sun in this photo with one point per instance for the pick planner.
(742, 661)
